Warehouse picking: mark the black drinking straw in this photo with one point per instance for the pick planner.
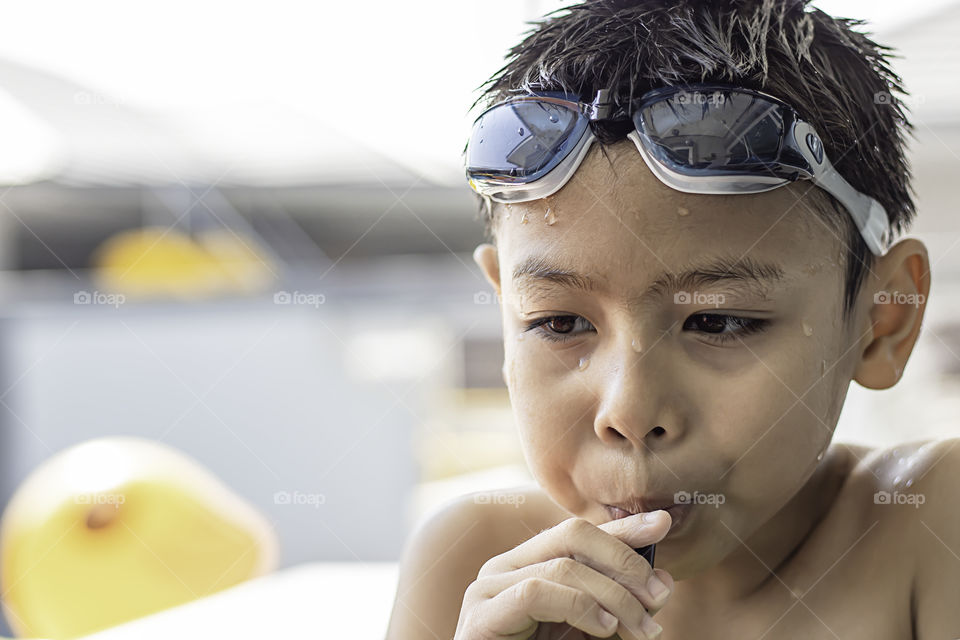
(647, 552)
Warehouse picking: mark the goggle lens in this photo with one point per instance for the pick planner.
(523, 140)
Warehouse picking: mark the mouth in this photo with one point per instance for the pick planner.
(679, 513)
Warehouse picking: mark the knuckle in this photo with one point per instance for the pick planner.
(633, 564)
(581, 602)
(474, 591)
(488, 568)
(572, 529)
(560, 568)
(527, 591)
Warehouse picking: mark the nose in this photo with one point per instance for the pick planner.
(635, 407)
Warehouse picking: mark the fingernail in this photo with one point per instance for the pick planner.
(650, 516)
(650, 628)
(657, 589)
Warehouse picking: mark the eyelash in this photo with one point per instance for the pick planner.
(747, 326)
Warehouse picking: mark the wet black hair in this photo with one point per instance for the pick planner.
(836, 77)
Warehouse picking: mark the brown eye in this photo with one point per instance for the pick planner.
(561, 324)
(710, 322)
(720, 328)
(559, 328)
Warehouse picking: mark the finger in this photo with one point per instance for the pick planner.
(600, 548)
(610, 594)
(540, 600)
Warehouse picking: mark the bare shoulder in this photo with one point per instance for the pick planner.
(915, 495)
(446, 550)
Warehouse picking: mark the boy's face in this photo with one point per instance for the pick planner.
(702, 406)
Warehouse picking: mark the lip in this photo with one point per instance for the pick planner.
(679, 513)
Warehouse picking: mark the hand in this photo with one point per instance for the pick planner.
(570, 576)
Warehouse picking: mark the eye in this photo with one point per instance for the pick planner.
(714, 326)
(718, 328)
(558, 328)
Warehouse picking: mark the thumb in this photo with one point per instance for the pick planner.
(635, 531)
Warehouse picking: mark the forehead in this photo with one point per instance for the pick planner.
(615, 217)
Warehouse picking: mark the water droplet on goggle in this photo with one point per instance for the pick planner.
(520, 130)
(554, 118)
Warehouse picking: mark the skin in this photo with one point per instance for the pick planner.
(746, 420)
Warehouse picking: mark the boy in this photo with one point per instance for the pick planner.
(687, 291)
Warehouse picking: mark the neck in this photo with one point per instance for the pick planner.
(766, 552)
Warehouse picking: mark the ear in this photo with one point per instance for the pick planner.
(898, 298)
(485, 255)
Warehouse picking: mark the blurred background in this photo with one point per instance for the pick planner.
(326, 333)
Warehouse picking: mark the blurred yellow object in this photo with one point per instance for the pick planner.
(160, 261)
(116, 528)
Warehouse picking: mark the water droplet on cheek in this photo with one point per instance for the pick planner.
(807, 329)
(635, 343)
(584, 363)
(682, 211)
(523, 218)
(820, 456)
(550, 217)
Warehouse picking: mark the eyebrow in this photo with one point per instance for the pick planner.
(747, 274)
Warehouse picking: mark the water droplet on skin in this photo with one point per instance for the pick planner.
(635, 343)
(807, 329)
(520, 336)
(909, 482)
(523, 218)
(550, 217)
(682, 211)
(820, 456)
(584, 362)
(893, 452)
(823, 368)
(897, 480)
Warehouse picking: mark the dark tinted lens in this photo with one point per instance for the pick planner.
(521, 141)
(716, 133)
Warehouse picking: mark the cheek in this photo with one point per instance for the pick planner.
(549, 413)
(772, 421)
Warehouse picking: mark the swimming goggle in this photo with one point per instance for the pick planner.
(698, 138)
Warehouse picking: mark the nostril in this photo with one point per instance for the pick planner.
(659, 431)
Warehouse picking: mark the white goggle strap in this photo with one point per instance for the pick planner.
(867, 213)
